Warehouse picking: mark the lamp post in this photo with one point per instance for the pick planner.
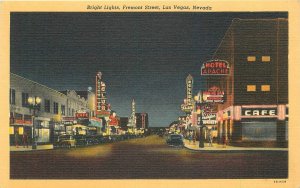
(34, 104)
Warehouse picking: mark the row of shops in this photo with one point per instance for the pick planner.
(40, 114)
(47, 130)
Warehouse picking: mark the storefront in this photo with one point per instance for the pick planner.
(253, 123)
(20, 126)
(21, 129)
(42, 130)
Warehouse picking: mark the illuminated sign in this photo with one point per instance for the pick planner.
(209, 119)
(96, 122)
(101, 102)
(22, 122)
(186, 108)
(82, 115)
(68, 119)
(213, 95)
(259, 112)
(215, 67)
(103, 113)
(189, 89)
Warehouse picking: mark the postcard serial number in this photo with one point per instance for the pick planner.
(279, 181)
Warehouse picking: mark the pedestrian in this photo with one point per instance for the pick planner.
(16, 139)
(224, 141)
(194, 137)
(25, 140)
(190, 136)
(210, 138)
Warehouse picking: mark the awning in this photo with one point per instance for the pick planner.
(42, 118)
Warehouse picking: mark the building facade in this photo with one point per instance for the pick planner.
(46, 118)
(255, 108)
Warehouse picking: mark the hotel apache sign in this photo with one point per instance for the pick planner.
(215, 67)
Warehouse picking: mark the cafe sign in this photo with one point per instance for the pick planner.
(215, 67)
(259, 112)
(79, 115)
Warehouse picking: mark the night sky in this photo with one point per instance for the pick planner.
(145, 56)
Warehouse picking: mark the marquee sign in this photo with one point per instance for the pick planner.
(259, 112)
(81, 115)
(213, 95)
(186, 108)
(215, 67)
(189, 89)
(209, 119)
(69, 120)
(102, 108)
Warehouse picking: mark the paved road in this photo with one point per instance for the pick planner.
(146, 158)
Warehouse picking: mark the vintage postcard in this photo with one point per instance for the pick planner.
(149, 93)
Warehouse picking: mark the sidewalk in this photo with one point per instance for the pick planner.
(39, 147)
(218, 147)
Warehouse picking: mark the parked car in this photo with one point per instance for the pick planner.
(65, 141)
(80, 140)
(99, 139)
(92, 139)
(175, 140)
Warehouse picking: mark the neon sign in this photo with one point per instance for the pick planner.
(215, 67)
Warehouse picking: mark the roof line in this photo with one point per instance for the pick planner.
(235, 19)
(38, 84)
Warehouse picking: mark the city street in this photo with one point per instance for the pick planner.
(146, 158)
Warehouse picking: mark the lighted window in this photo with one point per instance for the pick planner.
(251, 58)
(265, 88)
(11, 130)
(21, 130)
(265, 58)
(251, 87)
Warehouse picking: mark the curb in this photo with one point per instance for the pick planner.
(39, 147)
(233, 149)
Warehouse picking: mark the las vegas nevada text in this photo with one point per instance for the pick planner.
(148, 95)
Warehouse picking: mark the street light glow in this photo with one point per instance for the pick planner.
(38, 100)
(30, 100)
(34, 100)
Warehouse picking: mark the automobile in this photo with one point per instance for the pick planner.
(80, 140)
(175, 140)
(92, 139)
(100, 139)
(65, 141)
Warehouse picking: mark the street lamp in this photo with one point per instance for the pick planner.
(34, 104)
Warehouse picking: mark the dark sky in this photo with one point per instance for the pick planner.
(145, 56)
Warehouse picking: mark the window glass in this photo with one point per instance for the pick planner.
(251, 58)
(25, 99)
(251, 87)
(265, 58)
(63, 110)
(12, 95)
(47, 105)
(265, 88)
(55, 107)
